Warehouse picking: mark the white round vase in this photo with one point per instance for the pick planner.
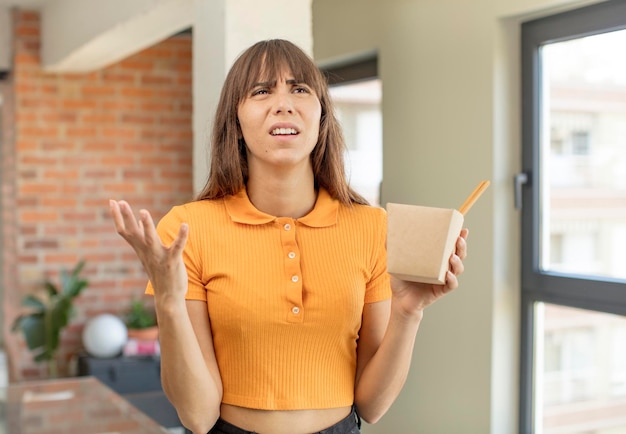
(104, 336)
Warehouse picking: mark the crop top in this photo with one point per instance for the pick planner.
(285, 296)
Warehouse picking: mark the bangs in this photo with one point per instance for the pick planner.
(269, 59)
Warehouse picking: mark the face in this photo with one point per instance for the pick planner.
(280, 123)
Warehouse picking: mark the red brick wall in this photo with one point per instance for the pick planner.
(123, 132)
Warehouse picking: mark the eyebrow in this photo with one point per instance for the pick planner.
(273, 83)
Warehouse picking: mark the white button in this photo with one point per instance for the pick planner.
(294, 279)
(292, 255)
(287, 226)
(295, 310)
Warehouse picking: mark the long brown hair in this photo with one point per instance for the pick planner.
(264, 61)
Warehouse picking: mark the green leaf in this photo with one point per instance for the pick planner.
(58, 318)
(33, 302)
(42, 326)
(17, 323)
(34, 330)
(65, 280)
(51, 288)
(60, 313)
(72, 284)
(139, 316)
(75, 287)
(40, 356)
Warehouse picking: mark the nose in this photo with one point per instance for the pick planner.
(283, 103)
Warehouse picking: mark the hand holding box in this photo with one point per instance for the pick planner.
(420, 240)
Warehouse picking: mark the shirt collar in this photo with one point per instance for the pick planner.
(241, 210)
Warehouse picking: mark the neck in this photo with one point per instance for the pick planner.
(285, 196)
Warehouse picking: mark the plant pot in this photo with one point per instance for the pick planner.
(146, 334)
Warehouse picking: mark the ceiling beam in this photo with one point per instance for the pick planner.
(85, 35)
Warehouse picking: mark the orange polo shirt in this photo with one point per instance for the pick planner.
(285, 296)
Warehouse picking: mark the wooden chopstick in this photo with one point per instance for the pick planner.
(473, 197)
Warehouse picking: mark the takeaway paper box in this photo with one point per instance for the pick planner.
(420, 241)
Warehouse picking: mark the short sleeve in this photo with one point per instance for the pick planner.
(167, 228)
(379, 287)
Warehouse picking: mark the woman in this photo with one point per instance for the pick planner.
(275, 309)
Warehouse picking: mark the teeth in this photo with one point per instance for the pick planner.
(278, 131)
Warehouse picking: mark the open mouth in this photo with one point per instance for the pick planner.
(283, 131)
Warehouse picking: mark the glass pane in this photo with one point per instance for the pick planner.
(580, 381)
(583, 156)
(359, 112)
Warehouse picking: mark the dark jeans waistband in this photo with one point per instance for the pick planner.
(348, 425)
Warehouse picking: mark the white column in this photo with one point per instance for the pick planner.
(5, 39)
(222, 29)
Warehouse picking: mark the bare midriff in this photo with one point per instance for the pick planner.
(283, 421)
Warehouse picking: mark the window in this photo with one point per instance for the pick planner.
(357, 92)
(573, 372)
(580, 143)
(358, 110)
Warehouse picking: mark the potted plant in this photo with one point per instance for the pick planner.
(46, 314)
(141, 322)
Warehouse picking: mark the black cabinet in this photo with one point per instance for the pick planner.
(138, 380)
(124, 374)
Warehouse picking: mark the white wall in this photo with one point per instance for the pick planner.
(451, 117)
(5, 39)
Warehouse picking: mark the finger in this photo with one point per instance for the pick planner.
(151, 235)
(461, 246)
(148, 227)
(464, 233)
(456, 265)
(451, 281)
(118, 220)
(130, 222)
(178, 244)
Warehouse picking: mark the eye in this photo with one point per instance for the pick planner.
(260, 91)
(301, 89)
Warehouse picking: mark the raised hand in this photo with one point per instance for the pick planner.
(163, 263)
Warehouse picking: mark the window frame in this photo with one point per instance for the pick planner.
(354, 69)
(597, 294)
